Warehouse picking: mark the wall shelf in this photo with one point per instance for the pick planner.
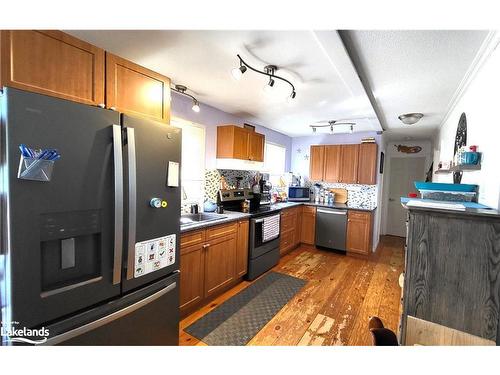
(462, 167)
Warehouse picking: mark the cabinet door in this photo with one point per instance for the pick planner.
(256, 148)
(359, 232)
(308, 225)
(332, 163)
(52, 63)
(220, 264)
(367, 164)
(135, 90)
(298, 226)
(241, 143)
(317, 163)
(349, 164)
(242, 249)
(192, 274)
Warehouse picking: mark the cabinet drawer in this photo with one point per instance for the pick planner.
(286, 241)
(192, 238)
(221, 231)
(287, 221)
(309, 210)
(360, 215)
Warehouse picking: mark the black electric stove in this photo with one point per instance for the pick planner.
(263, 251)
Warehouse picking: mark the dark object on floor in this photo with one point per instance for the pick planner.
(381, 336)
(241, 317)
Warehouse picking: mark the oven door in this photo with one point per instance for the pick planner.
(262, 235)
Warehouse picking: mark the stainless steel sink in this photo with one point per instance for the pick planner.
(188, 219)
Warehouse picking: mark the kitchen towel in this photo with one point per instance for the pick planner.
(270, 228)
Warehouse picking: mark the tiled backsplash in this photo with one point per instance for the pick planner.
(213, 177)
(356, 194)
(365, 195)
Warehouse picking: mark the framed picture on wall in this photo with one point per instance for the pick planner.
(382, 156)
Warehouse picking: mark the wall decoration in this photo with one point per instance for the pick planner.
(382, 158)
(408, 149)
(460, 140)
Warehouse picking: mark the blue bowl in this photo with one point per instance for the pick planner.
(420, 185)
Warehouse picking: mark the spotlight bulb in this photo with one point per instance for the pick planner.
(238, 72)
(196, 107)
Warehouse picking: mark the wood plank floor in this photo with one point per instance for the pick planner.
(334, 306)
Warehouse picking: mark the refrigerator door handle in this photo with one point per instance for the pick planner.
(132, 202)
(118, 170)
(109, 318)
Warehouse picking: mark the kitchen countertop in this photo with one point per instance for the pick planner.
(467, 212)
(229, 217)
(234, 215)
(335, 205)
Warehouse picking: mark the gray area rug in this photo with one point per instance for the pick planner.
(241, 317)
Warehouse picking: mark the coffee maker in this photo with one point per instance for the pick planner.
(265, 189)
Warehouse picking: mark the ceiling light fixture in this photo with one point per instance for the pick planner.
(332, 124)
(410, 118)
(181, 89)
(269, 70)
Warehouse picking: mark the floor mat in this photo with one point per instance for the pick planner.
(241, 317)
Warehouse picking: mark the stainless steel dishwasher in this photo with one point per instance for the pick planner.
(331, 228)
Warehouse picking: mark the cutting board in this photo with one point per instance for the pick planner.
(340, 195)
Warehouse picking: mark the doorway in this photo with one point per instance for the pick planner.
(403, 173)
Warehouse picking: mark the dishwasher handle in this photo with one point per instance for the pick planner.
(331, 212)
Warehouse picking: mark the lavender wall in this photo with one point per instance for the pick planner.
(211, 117)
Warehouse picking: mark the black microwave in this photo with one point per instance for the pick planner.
(298, 193)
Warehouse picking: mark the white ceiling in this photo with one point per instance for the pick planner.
(414, 71)
(408, 71)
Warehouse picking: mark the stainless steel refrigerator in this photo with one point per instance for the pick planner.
(90, 242)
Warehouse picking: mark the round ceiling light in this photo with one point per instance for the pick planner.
(410, 118)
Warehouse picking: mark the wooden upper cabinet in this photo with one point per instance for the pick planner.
(235, 142)
(367, 168)
(317, 163)
(349, 164)
(332, 163)
(136, 90)
(52, 63)
(359, 232)
(256, 146)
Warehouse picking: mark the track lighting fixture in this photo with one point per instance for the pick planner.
(269, 70)
(332, 124)
(181, 89)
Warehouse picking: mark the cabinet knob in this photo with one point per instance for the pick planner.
(112, 108)
(206, 246)
(101, 105)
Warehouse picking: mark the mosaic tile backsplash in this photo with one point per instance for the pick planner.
(365, 195)
(213, 177)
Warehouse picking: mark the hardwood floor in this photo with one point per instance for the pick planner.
(334, 306)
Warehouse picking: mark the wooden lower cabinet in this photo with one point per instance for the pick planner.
(308, 227)
(359, 232)
(289, 229)
(242, 248)
(192, 275)
(220, 264)
(211, 262)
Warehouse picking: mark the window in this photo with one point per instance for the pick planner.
(193, 161)
(275, 159)
(275, 156)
